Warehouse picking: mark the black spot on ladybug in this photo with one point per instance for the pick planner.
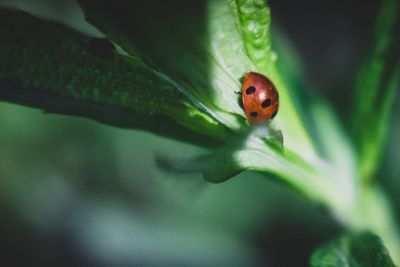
(273, 115)
(266, 103)
(254, 114)
(251, 90)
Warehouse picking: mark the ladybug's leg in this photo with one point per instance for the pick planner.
(240, 101)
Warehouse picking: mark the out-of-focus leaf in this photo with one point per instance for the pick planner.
(375, 87)
(289, 63)
(337, 149)
(360, 249)
(46, 65)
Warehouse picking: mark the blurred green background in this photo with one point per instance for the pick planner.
(76, 192)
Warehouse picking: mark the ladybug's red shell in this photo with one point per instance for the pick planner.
(260, 98)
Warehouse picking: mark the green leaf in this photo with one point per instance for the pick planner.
(206, 47)
(231, 159)
(203, 61)
(260, 149)
(335, 145)
(46, 65)
(180, 44)
(253, 21)
(375, 88)
(355, 250)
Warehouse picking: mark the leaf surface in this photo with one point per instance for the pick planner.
(46, 65)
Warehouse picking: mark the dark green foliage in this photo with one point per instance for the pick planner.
(354, 250)
(46, 65)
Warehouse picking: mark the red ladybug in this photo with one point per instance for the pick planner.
(260, 98)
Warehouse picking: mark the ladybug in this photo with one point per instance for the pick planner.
(260, 98)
